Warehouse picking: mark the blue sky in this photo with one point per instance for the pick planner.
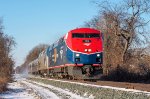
(33, 22)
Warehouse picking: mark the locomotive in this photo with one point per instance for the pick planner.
(76, 55)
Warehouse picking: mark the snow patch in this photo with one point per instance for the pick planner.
(67, 92)
(16, 91)
(44, 93)
(91, 97)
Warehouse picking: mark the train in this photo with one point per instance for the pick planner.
(76, 55)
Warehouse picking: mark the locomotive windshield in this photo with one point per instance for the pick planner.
(77, 35)
(85, 35)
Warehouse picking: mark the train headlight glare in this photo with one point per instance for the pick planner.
(77, 55)
(85, 50)
(89, 50)
(98, 55)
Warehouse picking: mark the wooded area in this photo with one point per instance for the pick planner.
(126, 39)
(6, 60)
(32, 55)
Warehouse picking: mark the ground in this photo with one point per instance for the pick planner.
(16, 90)
(46, 88)
(22, 88)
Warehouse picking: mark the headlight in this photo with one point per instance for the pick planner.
(89, 50)
(77, 55)
(98, 55)
(85, 50)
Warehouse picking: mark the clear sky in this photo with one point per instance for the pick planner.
(33, 22)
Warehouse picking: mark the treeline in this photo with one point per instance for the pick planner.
(32, 55)
(6, 60)
(125, 29)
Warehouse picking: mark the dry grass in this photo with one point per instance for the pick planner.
(3, 84)
(136, 69)
(5, 77)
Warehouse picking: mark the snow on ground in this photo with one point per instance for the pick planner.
(43, 92)
(60, 92)
(28, 89)
(17, 91)
(22, 88)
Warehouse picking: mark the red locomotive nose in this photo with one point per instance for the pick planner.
(87, 45)
(85, 40)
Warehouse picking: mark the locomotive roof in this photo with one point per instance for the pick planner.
(83, 30)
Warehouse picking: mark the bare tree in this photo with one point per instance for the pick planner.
(6, 60)
(128, 22)
(124, 27)
(34, 53)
